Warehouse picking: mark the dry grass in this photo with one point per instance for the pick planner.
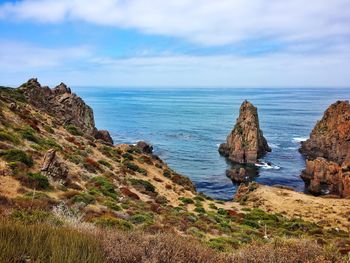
(136, 247)
(43, 243)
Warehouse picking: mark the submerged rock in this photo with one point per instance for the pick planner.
(328, 153)
(67, 107)
(245, 143)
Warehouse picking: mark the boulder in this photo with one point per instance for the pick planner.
(238, 175)
(53, 167)
(104, 136)
(245, 143)
(328, 153)
(145, 147)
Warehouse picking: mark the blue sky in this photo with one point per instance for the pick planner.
(157, 43)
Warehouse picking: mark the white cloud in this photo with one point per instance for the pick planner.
(205, 22)
(79, 66)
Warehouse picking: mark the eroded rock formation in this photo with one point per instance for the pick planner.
(67, 107)
(328, 153)
(53, 167)
(246, 143)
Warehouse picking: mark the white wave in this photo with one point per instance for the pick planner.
(274, 145)
(292, 148)
(267, 166)
(299, 139)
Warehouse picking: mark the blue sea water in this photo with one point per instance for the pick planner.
(185, 126)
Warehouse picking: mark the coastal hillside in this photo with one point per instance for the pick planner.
(68, 194)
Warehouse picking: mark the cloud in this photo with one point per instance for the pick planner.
(204, 22)
(22, 56)
(81, 66)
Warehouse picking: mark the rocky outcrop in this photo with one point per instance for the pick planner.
(145, 147)
(246, 143)
(237, 175)
(67, 107)
(104, 136)
(53, 167)
(328, 153)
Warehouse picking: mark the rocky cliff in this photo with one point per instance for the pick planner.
(67, 107)
(245, 143)
(328, 153)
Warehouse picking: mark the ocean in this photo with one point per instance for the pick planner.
(186, 126)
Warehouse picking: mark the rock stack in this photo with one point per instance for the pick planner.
(245, 143)
(328, 153)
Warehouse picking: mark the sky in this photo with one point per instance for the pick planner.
(176, 43)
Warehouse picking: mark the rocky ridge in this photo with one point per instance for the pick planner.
(67, 107)
(328, 153)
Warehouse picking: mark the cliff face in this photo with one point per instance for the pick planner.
(246, 143)
(328, 153)
(67, 107)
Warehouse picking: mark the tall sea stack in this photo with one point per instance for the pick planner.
(245, 143)
(328, 153)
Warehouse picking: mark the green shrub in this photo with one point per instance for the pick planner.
(199, 210)
(145, 184)
(112, 222)
(39, 180)
(15, 155)
(112, 205)
(83, 198)
(135, 168)
(186, 200)
(167, 173)
(29, 134)
(31, 217)
(128, 156)
(141, 218)
(5, 136)
(105, 186)
(105, 163)
(48, 129)
(73, 130)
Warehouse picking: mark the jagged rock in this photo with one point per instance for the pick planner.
(53, 167)
(125, 191)
(104, 136)
(67, 107)
(13, 106)
(237, 175)
(246, 143)
(145, 147)
(327, 177)
(243, 191)
(328, 153)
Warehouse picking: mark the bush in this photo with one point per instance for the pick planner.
(105, 186)
(29, 134)
(105, 163)
(83, 198)
(43, 243)
(186, 200)
(167, 173)
(73, 130)
(135, 168)
(39, 181)
(112, 222)
(15, 155)
(5, 136)
(128, 156)
(145, 184)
